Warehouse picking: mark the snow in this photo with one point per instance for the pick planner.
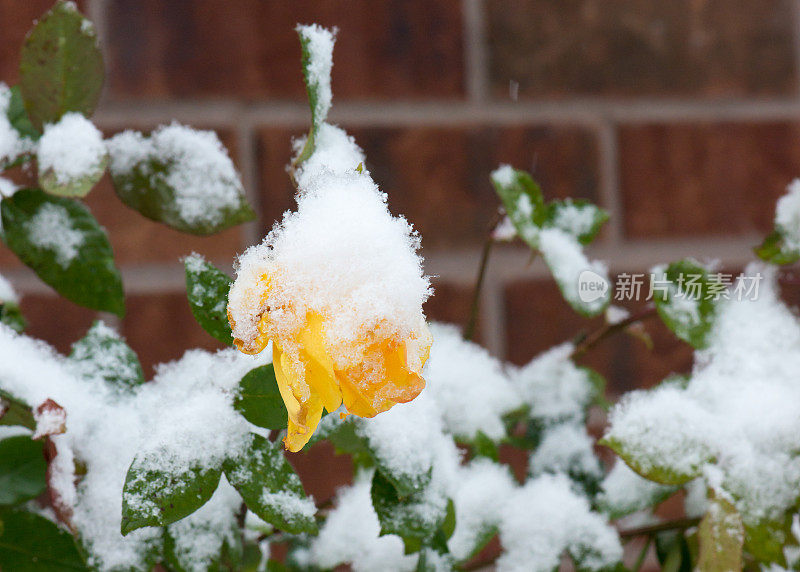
(351, 534)
(343, 256)
(92, 357)
(335, 152)
(787, 215)
(199, 537)
(462, 377)
(7, 188)
(12, 144)
(553, 386)
(574, 219)
(72, 149)
(504, 175)
(616, 314)
(290, 504)
(188, 402)
(565, 448)
(544, 518)
(7, 293)
(735, 424)
(479, 495)
(202, 175)
(564, 255)
(319, 43)
(624, 491)
(51, 229)
(504, 231)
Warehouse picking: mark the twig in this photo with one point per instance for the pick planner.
(678, 524)
(609, 329)
(469, 329)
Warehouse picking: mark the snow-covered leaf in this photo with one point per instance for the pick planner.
(684, 296)
(766, 540)
(156, 497)
(271, 488)
(410, 517)
(721, 535)
(522, 200)
(61, 66)
(31, 543)
(63, 243)
(103, 354)
(777, 250)
(179, 176)
(71, 156)
(15, 412)
(577, 217)
(207, 289)
(658, 473)
(22, 469)
(259, 399)
(317, 59)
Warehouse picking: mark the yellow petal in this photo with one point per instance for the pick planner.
(284, 378)
(297, 437)
(319, 366)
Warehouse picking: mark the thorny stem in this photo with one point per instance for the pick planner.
(607, 330)
(469, 329)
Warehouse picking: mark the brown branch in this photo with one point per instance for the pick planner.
(607, 330)
(469, 329)
(678, 524)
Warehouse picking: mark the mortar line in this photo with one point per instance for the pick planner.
(246, 145)
(475, 60)
(609, 182)
(796, 18)
(223, 113)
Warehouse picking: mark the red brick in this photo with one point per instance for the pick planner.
(160, 328)
(537, 318)
(438, 177)
(56, 320)
(321, 471)
(705, 178)
(248, 48)
(713, 48)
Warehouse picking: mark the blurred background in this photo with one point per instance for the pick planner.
(680, 118)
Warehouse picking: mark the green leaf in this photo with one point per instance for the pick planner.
(775, 250)
(523, 202)
(18, 117)
(63, 243)
(31, 543)
(683, 294)
(22, 469)
(102, 353)
(317, 88)
(721, 535)
(661, 474)
(15, 412)
(259, 399)
(156, 497)
(577, 217)
(207, 290)
(61, 66)
(11, 316)
(412, 518)
(673, 552)
(483, 446)
(166, 177)
(79, 187)
(767, 539)
(270, 487)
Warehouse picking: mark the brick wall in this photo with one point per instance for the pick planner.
(681, 118)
